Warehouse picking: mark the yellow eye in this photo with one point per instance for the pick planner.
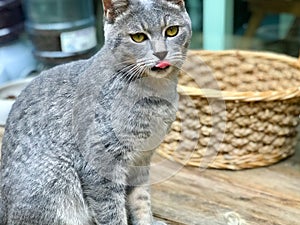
(172, 31)
(139, 37)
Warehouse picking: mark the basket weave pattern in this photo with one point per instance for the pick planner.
(257, 125)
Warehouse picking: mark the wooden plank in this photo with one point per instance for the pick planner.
(269, 195)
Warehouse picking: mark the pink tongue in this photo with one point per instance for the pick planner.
(163, 65)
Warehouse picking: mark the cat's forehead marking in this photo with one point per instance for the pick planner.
(147, 4)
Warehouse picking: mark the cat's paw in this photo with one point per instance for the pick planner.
(158, 223)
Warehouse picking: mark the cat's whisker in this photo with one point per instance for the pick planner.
(145, 69)
(128, 73)
(122, 74)
(135, 74)
(131, 71)
(146, 62)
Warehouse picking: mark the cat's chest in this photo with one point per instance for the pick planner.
(138, 114)
(145, 99)
(119, 97)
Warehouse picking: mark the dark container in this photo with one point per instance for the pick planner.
(11, 20)
(61, 30)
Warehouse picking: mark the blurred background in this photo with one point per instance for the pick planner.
(38, 34)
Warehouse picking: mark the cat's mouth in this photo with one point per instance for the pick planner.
(161, 66)
(157, 69)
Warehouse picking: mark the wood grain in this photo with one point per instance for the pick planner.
(269, 195)
(190, 196)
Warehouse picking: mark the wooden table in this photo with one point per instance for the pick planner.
(264, 196)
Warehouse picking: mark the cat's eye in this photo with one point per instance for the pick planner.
(139, 37)
(172, 31)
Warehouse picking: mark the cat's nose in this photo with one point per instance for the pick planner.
(161, 55)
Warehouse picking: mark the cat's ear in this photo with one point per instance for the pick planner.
(113, 8)
(177, 2)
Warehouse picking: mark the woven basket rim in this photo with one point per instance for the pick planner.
(249, 96)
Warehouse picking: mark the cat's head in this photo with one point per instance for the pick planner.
(151, 37)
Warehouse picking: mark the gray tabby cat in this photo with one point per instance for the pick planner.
(79, 138)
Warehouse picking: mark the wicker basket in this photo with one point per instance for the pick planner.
(238, 109)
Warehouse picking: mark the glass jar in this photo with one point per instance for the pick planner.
(61, 30)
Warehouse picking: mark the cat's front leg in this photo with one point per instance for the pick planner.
(108, 210)
(105, 197)
(139, 207)
(138, 201)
